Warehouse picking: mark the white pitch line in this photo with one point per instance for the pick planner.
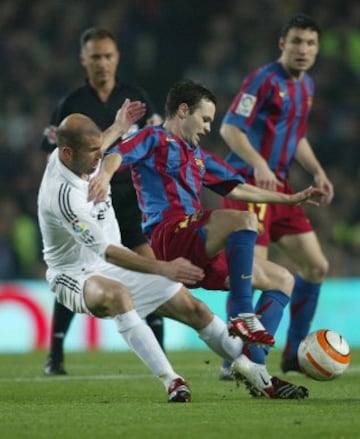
(45, 379)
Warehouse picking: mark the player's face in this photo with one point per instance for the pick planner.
(299, 49)
(198, 123)
(86, 159)
(100, 59)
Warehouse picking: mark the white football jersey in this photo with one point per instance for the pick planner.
(75, 232)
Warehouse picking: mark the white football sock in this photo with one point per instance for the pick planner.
(142, 341)
(216, 336)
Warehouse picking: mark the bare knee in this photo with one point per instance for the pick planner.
(270, 276)
(232, 220)
(222, 223)
(316, 272)
(106, 298)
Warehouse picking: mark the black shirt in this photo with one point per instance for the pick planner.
(86, 101)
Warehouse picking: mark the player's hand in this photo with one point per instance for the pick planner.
(323, 183)
(98, 188)
(50, 134)
(265, 177)
(310, 195)
(129, 113)
(181, 270)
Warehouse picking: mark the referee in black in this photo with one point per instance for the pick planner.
(100, 98)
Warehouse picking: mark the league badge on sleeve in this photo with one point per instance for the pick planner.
(246, 105)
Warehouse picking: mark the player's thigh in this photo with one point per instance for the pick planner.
(305, 251)
(186, 308)
(261, 251)
(270, 276)
(221, 223)
(146, 291)
(91, 293)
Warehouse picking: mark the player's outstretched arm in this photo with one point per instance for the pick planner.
(253, 194)
(99, 184)
(129, 113)
(240, 144)
(180, 269)
(305, 156)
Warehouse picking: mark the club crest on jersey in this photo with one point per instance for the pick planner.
(77, 226)
(200, 163)
(246, 105)
(80, 229)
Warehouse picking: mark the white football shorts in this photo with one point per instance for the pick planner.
(148, 291)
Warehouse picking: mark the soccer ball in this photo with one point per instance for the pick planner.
(324, 355)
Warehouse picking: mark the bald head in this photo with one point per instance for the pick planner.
(75, 131)
(79, 140)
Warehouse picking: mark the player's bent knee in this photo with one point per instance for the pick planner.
(323, 267)
(106, 298)
(231, 220)
(285, 281)
(316, 272)
(117, 300)
(270, 276)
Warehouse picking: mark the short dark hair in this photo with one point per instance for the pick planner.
(186, 92)
(300, 21)
(95, 33)
(74, 138)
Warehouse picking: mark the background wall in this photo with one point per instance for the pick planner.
(25, 312)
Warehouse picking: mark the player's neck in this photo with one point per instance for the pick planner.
(295, 75)
(103, 89)
(172, 126)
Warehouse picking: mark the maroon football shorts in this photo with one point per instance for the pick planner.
(185, 237)
(274, 220)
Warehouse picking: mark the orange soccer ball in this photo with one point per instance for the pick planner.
(324, 355)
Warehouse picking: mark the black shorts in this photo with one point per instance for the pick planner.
(126, 209)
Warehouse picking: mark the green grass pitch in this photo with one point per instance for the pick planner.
(112, 395)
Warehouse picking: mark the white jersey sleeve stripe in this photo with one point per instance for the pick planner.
(64, 203)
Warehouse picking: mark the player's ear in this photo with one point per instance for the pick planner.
(66, 152)
(118, 56)
(82, 60)
(183, 110)
(281, 43)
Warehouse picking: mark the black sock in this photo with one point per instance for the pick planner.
(62, 318)
(156, 323)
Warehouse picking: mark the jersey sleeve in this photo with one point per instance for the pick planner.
(252, 95)
(80, 219)
(219, 176)
(136, 147)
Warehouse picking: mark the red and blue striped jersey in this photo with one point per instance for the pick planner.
(168, 174)
(272, 109)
